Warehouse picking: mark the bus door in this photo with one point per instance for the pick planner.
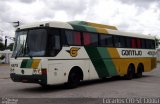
(54, 47)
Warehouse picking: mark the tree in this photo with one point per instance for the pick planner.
(2, 47)
(10, 46)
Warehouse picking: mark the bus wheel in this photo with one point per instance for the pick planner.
(139, 71)
(73, 80)
(130, 72)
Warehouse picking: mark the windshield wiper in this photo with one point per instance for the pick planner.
(21, 48)
(29, 52)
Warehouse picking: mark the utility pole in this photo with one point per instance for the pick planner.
(16, 24)
(6, 37)
(11, 38)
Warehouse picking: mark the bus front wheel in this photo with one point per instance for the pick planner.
(73, 80)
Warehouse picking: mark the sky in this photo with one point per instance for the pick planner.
(137, 16)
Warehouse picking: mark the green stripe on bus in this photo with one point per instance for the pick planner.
(24, 63)
(97, 61)
(90, 29)
(78, 27)
(29, 63)
(83, 27)
(110, 65)
(107, 59)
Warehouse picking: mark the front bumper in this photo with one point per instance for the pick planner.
(41, 79)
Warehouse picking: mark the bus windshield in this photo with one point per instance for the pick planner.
(30, 43)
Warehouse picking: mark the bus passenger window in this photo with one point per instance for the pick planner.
(73, 38)
(128, 42)
(119, 42)
(138, 43)
(116, 41)
(106, 40)
(87, 38)
(77, 38)
(153, 44)
(90, 39)
(143, 42)
(122, 42)
(133, 43)
(150, 44)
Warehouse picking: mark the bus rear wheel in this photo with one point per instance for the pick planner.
(139, 71)
(130, 73)
(73, 80)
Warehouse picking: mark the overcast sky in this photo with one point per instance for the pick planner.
(139, 16)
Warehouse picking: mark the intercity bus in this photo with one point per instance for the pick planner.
(49, 53)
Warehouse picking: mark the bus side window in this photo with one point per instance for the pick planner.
(133, 43)
(122, 42)
(150, 44)
(143, 43)
(106, 40)
(128, 42)
(153, 44)
(90, 39)
(87, 39)
(138, 43)
(116, 41)
(73, 37)
(77, 38)
(119, 41)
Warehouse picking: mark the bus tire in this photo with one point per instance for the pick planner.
(130, 72)
(73, 80)
(139, 71)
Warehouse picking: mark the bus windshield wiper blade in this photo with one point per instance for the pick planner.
(16, 55)
(29, 52)
(18, 52)
(30, 55)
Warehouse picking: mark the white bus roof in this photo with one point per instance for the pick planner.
(85, 26)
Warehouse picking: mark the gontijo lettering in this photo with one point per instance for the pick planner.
(131, 53)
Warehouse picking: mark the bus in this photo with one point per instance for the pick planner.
(52, 52)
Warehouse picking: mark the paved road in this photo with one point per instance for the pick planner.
(147, 86)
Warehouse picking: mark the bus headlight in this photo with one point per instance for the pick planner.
(39, 71)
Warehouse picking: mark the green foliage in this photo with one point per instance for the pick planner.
(2, 47)
(2, 57)
(10, 46)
